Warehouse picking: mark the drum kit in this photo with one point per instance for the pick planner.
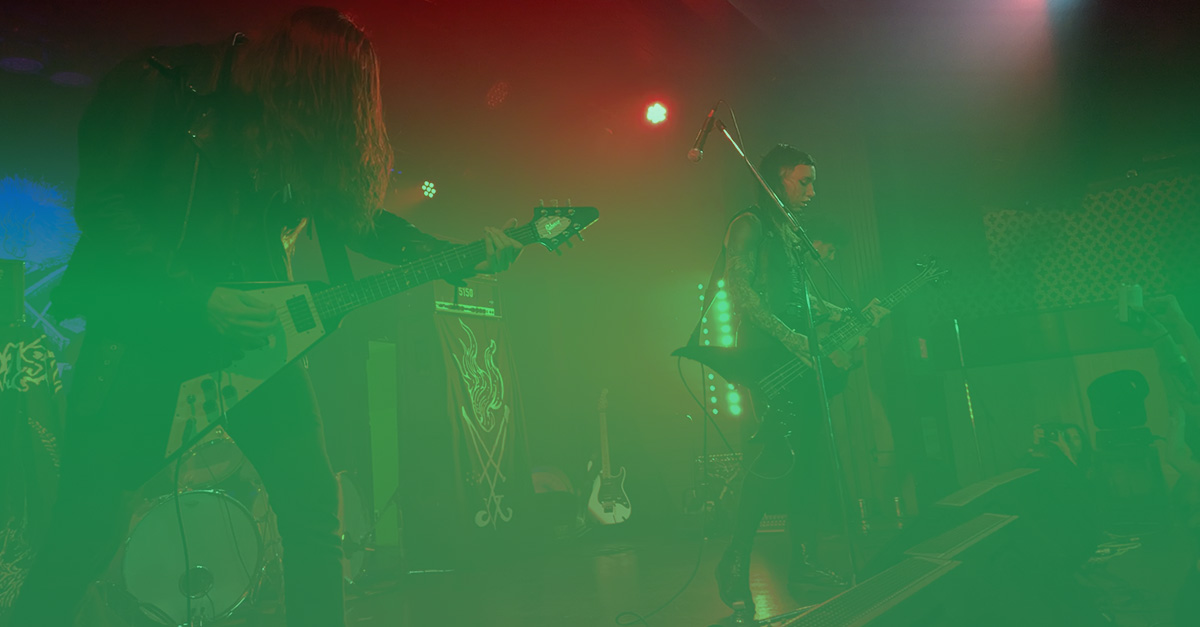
(228, 554)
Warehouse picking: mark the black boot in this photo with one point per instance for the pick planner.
(733, 579)
(804, 575)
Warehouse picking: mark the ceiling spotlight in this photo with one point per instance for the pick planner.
(656, 113)
(428, 189)
(497, 94)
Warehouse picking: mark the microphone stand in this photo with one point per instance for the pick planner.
(814, 347)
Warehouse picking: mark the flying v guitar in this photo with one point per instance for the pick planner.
(309, 313)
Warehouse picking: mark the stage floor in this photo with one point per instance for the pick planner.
(590, 581)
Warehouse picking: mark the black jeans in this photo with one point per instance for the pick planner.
(118, 418)
(794, 466)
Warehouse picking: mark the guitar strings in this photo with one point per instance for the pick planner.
(351, 295)
(779, 379)
(370, 289)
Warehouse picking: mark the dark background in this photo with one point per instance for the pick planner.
(923, 115)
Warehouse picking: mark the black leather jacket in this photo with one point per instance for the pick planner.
(167, 205)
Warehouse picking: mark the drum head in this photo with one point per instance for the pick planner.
(224, 557)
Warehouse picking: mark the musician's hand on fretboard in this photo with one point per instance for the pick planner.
(877, 311)
(502, 250)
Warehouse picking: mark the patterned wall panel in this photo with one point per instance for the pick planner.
(1146, 232)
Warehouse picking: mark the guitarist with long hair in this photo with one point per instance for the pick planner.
(764, 262)
(199, 165)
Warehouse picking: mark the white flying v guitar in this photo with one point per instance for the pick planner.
(308, 313)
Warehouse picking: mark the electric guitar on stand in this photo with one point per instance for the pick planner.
(308, 313)
(609, 504)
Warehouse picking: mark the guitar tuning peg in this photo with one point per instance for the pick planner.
(570, 244)
(568, 202)
(541, 202)
(555, 201)
(579, 235)
(558, 252)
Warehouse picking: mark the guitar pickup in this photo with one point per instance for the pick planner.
(302, 315)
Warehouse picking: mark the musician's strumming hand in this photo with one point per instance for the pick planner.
(242, 318)
(850, 355)
(502, 250)
(797, 344)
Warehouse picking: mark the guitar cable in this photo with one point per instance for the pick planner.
(629, 617)
(183, 532)
(701, 405)
(187, 568)
(634, 618)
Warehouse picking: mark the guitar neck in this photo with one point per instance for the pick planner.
(864, 320)
(605, 469)
(334, 303)
(831, 343)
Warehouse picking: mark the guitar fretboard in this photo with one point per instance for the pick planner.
(337, 301)
(864, 320)
(782, 377)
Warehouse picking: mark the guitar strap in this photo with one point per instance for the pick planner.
(333, 253)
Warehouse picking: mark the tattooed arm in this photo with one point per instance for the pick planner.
(742, 243)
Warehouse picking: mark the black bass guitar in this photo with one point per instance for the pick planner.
(771, 371)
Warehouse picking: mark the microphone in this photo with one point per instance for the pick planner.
(697, 152)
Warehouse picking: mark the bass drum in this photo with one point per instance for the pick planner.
(224, 558)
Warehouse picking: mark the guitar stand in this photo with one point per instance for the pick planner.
(743, 616)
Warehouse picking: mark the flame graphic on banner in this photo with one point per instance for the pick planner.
(485, 388)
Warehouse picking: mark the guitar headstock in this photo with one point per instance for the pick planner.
(602, 404)
(555, 226)
(930, 271)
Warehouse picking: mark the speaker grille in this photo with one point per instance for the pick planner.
(965, 496)
(952, 543)
(870, 599)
